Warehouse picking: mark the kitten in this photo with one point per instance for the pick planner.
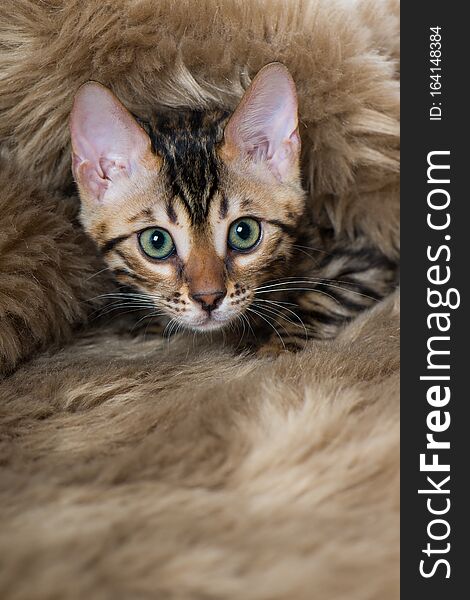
(204, 215)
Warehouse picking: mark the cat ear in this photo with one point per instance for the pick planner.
(264, 126)
(108, 145)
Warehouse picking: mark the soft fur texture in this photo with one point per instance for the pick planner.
(265, 481)
(134, 469)
(47, 269)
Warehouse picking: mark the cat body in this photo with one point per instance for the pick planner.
(203, 215)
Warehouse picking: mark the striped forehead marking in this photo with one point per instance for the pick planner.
(186, 140)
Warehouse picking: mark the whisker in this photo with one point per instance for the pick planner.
(108, 309)
(320, 281)
(315, 259)
(281, 302)
(239, 320)
(311, 248)
(126, 312)
(97, 273)
(316, 279)
(147, 328)
(170, 322)
(267, 312)
(126, 301)
(302, 324)
(278, 303)
(172, 326)
(247, 319)
(126, 294)
(150, 315)
(130, 300)
(269, 323)
(272, 311)
(300, 290)
(178, 328)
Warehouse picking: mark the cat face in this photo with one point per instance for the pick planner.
(193, 209)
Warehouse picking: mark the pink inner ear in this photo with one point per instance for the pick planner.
(107, 143)
(95, 182)
(264, 125)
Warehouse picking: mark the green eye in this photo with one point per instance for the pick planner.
(244, 234)
(156, 243)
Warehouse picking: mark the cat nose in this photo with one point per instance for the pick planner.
(209, 300)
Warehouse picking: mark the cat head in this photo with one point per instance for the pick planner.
(195, 210)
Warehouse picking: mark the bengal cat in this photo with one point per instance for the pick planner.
(202, 217)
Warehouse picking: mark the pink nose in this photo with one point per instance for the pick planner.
(209, 300)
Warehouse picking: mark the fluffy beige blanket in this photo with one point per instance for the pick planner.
(133, 468)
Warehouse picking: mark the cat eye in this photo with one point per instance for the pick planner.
(156, 243)
(244, 234)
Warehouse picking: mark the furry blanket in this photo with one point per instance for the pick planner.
(134, 468)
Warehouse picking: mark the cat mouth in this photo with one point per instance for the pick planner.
(209, 322)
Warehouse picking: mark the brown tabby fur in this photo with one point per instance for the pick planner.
(134, 469)
(299, 281)
(190, 188)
